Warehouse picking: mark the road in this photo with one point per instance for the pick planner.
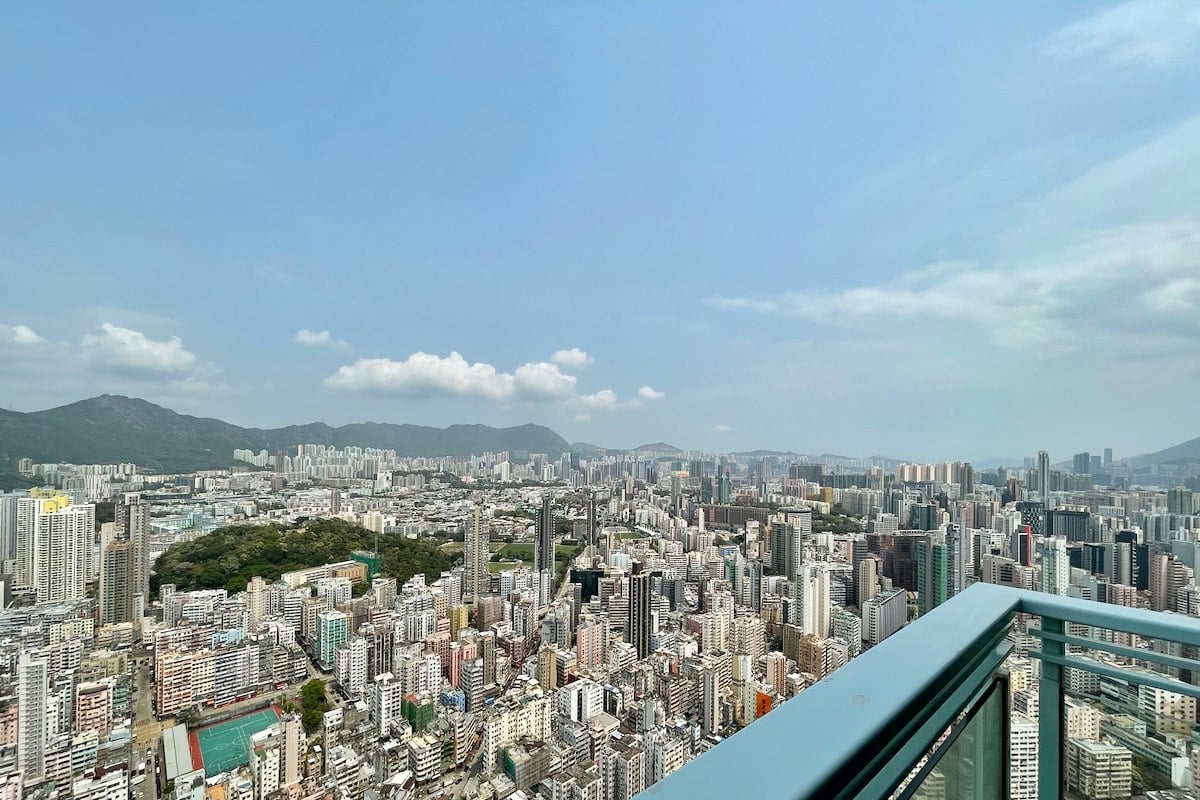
(473, 758)
(461, 786)
(146, 730)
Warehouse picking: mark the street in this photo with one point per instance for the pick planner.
(146, 731)
(473, 759)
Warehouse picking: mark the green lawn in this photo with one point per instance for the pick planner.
(457, 547)
(523, 550)
(501, 566)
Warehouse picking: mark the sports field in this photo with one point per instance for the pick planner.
(226, 745)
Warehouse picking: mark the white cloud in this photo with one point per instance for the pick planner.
(1140, 32)
(721, 429)
(572, 359)
(308, 338)
(426, 375)
(649, 393)
(19, 334)
(130, 350)
(605, 399)
(1049, 300)
(423, 374)
(542, 382)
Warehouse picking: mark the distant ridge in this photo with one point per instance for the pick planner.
(659, 447)
(113, 429)
(1181, 453)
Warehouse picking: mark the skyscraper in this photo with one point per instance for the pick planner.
(32, 701)
(883, 615)
(1179, 500)
(958, 555)
(476, 552)
(1021, 545)
(116, 584)
(132, 518)
(797, 530)
(638, 628)
(543, 553)
(932, 571)
(724, 489)
(8, 525)
(256, 602)
(1081, 464)
(925, 516)
(1043, 472)
(54, 547)
(543, 548)
(812, 598)
(1056, 568)
(1074, 525)
(1033, 515)
(867, 578)
(591, 521)
(710, 701)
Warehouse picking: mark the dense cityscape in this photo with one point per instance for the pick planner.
(565, 625)
(539, 400)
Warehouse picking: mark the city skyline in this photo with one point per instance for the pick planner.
(712, 228)
(427, 622)
(131, 406)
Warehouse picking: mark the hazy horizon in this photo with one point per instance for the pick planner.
(984, 461)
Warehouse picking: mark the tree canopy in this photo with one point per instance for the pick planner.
(229, 557)
(313, 704)
(838, 522)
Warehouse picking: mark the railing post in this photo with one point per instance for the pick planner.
(1050, 715)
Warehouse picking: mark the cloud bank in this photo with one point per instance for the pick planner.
(127, 349)
(424, 375)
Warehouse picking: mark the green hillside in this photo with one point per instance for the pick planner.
(228, 558)
(112, 429)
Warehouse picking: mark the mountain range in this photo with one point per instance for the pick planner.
(112, 429)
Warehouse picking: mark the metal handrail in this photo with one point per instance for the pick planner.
(860, 732)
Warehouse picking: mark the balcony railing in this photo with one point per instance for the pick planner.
(879, 726)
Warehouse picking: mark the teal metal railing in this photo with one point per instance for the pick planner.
(1056, 614)
(865, 731)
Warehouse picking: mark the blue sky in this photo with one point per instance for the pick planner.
(932, 231)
